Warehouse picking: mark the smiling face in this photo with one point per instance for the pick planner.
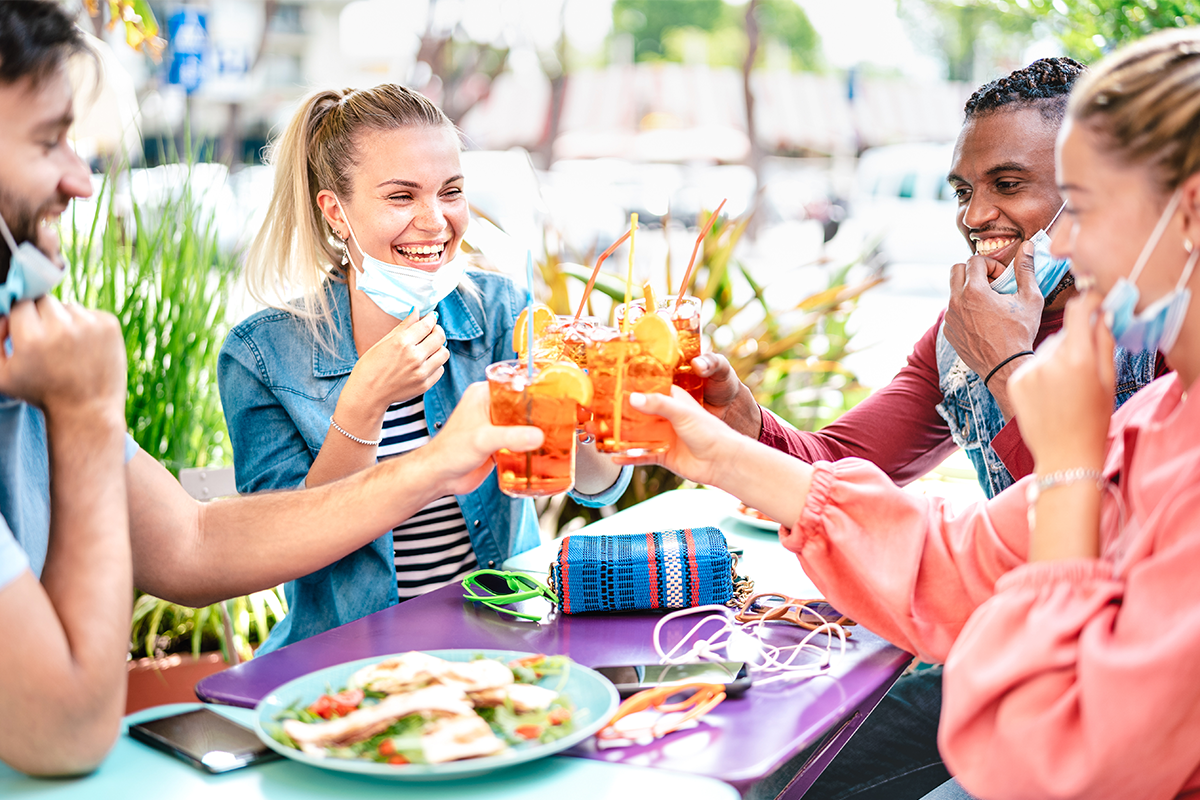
(39, 172)
(407, 205)
(1003, 178)
(1112, 209)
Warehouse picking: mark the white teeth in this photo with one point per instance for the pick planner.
(427, 250)
(985, 247)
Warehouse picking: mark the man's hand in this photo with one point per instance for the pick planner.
(726, 397)
(465, 446)
(65, 360)
(986, 327)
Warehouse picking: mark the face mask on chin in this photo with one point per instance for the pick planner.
(1157, 326)
(399, 290)
(1047, 269)
(31, 273)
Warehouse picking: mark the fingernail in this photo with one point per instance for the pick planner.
(1027, 248)
(637, 399)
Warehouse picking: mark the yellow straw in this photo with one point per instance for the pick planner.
(629, 275)
(618, 397)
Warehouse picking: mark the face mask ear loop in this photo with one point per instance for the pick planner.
(1187, 269)
(1054, 219)
(350, 228)
(8, 237)
(1157, 233)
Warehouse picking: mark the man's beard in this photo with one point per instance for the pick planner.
(24, 222)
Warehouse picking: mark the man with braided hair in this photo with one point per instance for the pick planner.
(953, 390)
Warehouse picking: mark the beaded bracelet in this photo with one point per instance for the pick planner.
(354, 438)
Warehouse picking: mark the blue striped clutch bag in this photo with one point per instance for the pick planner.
(662, 569)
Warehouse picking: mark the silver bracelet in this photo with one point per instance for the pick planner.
(1062, 477)
(352, 437)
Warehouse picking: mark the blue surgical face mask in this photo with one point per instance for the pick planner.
(399, 290)
(1158, 324)
(1046, 268)
(30, 272)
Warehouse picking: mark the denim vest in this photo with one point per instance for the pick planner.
(279, 387)
(975, 419)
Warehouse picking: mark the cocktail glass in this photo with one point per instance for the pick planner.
(686, 321)
(544, 403)
(618, 364)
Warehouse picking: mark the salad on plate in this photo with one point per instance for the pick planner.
(417, 708)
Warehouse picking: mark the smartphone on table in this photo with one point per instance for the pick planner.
(632, 678)
(205, 739)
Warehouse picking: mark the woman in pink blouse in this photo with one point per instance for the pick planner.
(1066, 609)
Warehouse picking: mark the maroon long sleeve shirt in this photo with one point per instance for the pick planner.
(898, 427)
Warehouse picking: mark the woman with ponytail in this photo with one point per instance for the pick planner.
(375, 326)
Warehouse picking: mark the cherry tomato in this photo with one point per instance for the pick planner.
(397, 759)
(386, 748)
(558, 716)
(528, 731)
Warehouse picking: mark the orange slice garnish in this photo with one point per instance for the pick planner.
(543, 317)
(658, 338)
(565, 379)
(648, 294)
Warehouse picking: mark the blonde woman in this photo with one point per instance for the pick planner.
(1066, 609)
(376, 328)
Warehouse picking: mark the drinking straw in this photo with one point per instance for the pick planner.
(527, 396)
(629, 276)
(618, 397)
(529, 310)
(587, 290)
(687, 276)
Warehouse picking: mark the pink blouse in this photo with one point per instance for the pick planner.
(1074, 678)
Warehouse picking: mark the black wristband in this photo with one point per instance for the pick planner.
(996, 368)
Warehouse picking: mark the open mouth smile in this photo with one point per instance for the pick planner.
(422, 253)
(990, 247)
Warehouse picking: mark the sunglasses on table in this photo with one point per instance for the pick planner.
(497, 589)
(807, 614)
(701, 698)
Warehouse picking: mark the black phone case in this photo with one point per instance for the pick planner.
(216, 725)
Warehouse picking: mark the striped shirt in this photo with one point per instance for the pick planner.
(432, 548)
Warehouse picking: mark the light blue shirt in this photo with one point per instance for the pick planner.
(25, 489)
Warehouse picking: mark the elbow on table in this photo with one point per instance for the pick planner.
(63, 748)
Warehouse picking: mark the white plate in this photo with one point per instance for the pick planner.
(749, 519)
(593, 696)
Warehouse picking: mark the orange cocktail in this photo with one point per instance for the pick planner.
(640, 360)
(686, 321)
(549, 402)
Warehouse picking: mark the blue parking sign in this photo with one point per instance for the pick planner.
(188, 31)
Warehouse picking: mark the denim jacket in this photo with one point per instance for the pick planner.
(279, 387)
(975, 419)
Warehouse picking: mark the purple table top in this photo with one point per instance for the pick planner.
(742, 741)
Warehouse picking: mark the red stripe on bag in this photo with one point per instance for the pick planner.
(564, 593)
(653, 567)
(692, 566)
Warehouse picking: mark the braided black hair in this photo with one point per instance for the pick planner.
(1044, 84)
